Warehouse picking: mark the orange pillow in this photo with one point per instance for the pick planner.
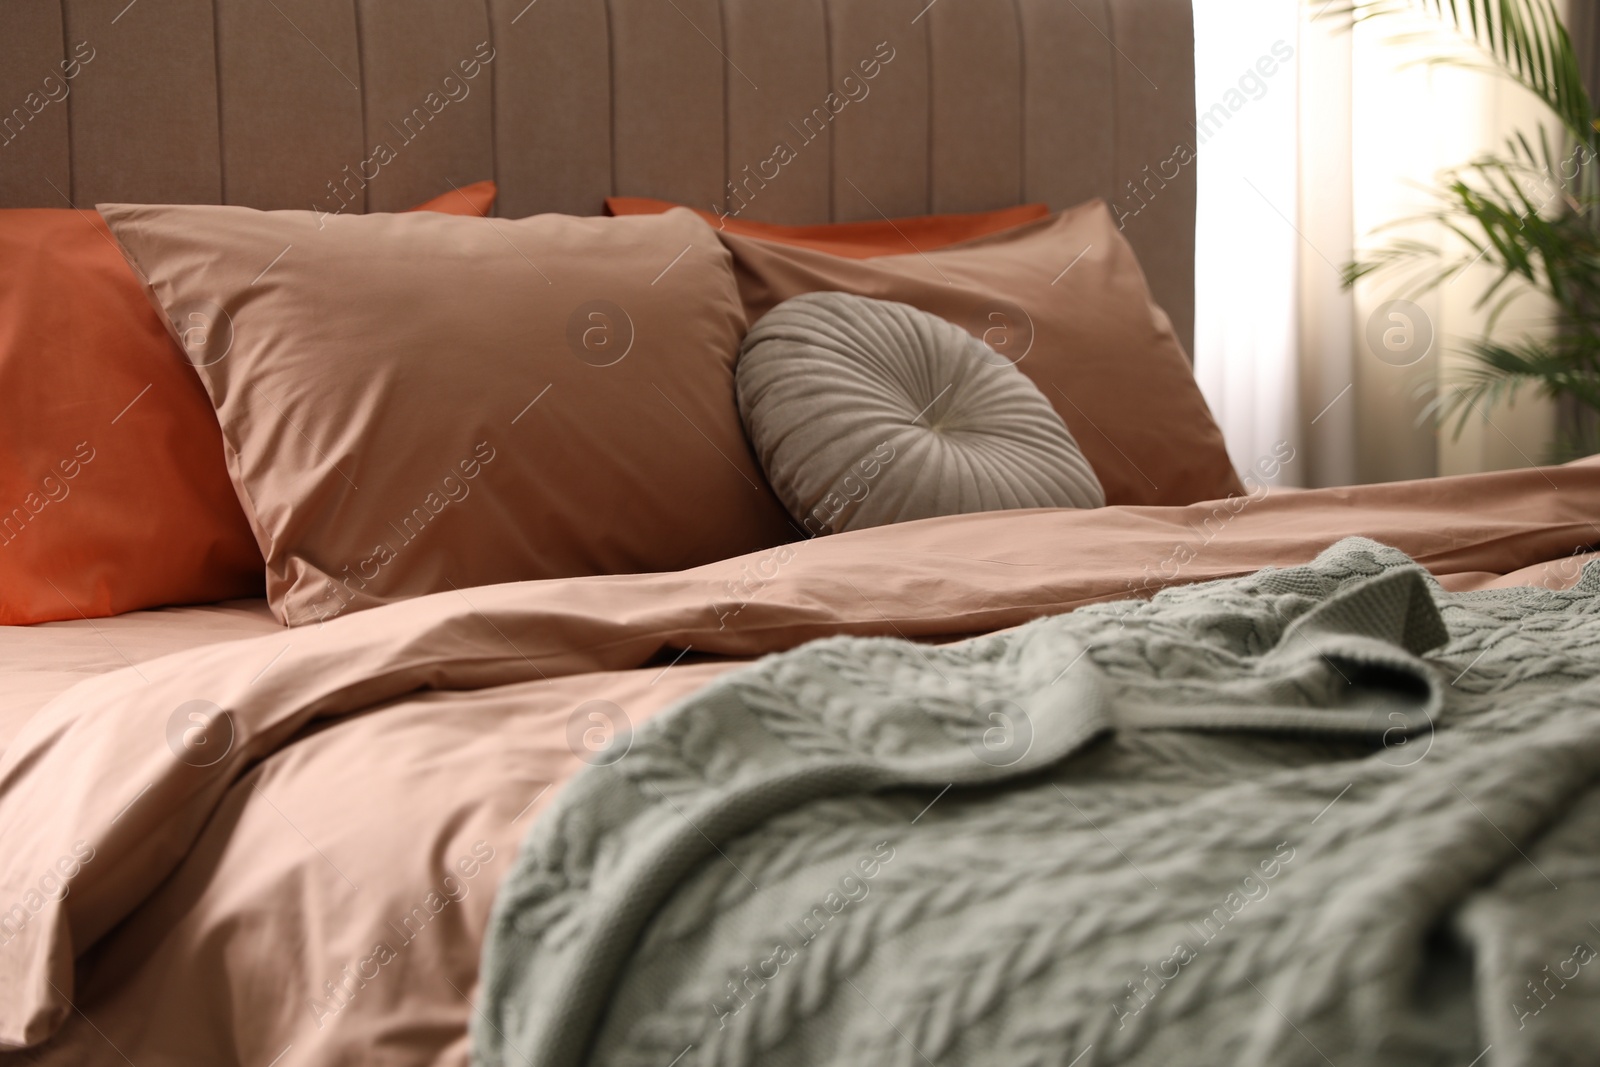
(114, 493)
(855, 240)
(476, 199)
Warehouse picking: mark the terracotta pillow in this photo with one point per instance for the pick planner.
(475, 201)
(114, 495)
(1064, 300)
(413, 403)
(855, 240)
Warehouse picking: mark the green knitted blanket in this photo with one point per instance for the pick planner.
(1327, 814)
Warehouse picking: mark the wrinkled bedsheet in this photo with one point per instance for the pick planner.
(39, 663)
(203, 856)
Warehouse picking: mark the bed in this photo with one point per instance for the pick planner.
(231, 841)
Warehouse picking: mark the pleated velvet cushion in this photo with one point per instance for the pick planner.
(865, 412)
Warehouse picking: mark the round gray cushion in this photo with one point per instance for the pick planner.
(865, 412)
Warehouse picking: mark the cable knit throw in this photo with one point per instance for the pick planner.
(1328, 814)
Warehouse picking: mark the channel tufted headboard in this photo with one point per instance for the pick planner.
(379, 104)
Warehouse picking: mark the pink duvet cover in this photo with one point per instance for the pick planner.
(312, 888)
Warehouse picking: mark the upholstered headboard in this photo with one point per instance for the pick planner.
(379, 104)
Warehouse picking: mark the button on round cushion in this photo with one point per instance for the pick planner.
(865, 412)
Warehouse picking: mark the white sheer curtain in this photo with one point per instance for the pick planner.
(1296, 167)
(1247, 311)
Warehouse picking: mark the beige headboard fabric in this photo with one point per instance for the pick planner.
(274, 103)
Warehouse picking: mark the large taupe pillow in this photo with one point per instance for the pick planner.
(865, 412)
(414, 403)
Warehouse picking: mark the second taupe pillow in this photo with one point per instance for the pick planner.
(1064, 300)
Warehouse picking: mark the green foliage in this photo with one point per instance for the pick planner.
(1529, 213)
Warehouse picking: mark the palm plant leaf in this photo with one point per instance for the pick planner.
(1526, 40)
(1568, 366)
(1530, 216)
